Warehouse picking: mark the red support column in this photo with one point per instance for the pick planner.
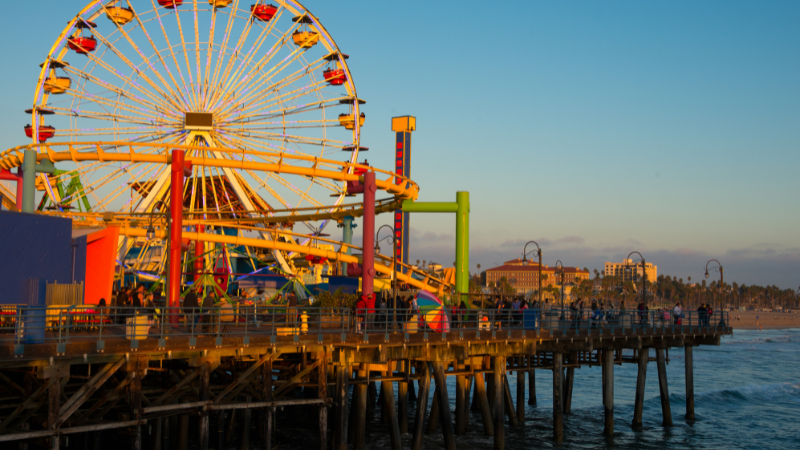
(198, 253)
(175, 232)
(368, 261)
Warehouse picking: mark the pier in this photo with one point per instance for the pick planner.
(83, 379)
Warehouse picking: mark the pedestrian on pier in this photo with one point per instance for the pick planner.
(190, 306)
(701, 314)
(642, 314)
(678, 313)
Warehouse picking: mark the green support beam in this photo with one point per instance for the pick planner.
(461, 208)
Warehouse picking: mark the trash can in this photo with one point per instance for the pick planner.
(137, 328)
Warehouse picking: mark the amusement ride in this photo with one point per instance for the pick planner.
(258, 99)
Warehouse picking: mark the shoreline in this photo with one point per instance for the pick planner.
(761, 320)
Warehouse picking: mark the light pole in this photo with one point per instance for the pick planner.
(561, 272)
(644, 276)
(525, 263)
(719, 269)
(392, 240)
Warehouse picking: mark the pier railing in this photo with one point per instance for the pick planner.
(23, 325)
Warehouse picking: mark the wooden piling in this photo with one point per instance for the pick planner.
(340, 426)
(53, 410)
(508, 403)
(136, 402)
(569, 381)
(520, 393)
(422, 407)
(461, 401)
(183, 432)
(531, 382)
(558, 392)
(433, 417)
(266, 392)
(402, 398)
(499, 364)
(608, 391)
(663, 389)
(638, 403)
(444, 405)
(322, 392)
(689, 367)
(204, 390)
(391, 413)
(361, 410)
(483, 404)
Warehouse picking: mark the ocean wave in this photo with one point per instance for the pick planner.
(764, 340)
(749, 393)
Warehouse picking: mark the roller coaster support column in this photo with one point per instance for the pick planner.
(368, 261)
(461, 208)
(29, 170)
(199, 249)
(179, 170)
(17, 178)
(347, 226)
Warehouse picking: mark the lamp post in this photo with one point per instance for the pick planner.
(392, 240)
(561, 272)
(525, 263)
(719, 269)
(644, 276)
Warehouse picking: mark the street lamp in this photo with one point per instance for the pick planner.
(719, 269)
(561, 272)
(525, 263)
(392, 240)
(644, 276)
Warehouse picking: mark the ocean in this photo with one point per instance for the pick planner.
(747, 396)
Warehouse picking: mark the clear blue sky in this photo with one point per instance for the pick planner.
(671, 128)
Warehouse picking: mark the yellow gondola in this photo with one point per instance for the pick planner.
(57, 85)
(119, 15)
(348, 121)
(305, 39)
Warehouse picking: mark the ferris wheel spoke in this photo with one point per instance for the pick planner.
(85, 95)
(197, 54)
(196, 103)
(242, 83)
(258, 85)
(248, 119)
(224, 46)
(178, 97)
(234, 56)
(280, 99)
(186, 89)
(115, 193)
(278, 137)
(141, 73)
(209, 53)
(154, 100)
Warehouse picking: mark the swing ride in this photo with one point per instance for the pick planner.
(263, 103)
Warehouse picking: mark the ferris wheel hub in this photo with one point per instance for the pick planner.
(198, 121)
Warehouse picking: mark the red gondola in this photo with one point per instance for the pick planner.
(335, 77)
(82, 45)
(170, 4)
(264, 13)
(45, 132)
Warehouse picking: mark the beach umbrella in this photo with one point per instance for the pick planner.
(432, 311)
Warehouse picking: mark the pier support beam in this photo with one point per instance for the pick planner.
(499, 428)
(558, 392)
(204, 422)
(322, 392)
(531, 382)
(569, 381)
(444, 405)
(461, 401)
(402, 398)
(340, 426)
(608, 391)
(638, 404)
(508, 403)
(520, 394)
(663, 389)
(266, 389)
(391, 413)
(422, 407)
(53, 409)
(483, 404)
(360, 405)
(689, 361)
(244, 441)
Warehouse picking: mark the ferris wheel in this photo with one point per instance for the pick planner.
(265, 78)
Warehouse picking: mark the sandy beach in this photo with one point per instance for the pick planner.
(753, 320)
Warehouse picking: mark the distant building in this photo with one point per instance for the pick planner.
(526, 278)
(627, 270)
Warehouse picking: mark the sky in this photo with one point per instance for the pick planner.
(594, 128)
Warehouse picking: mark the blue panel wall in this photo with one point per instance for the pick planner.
(32, 246)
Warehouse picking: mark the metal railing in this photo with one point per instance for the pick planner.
(22, 325)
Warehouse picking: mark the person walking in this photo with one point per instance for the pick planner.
(190, 306)
(677, 312)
